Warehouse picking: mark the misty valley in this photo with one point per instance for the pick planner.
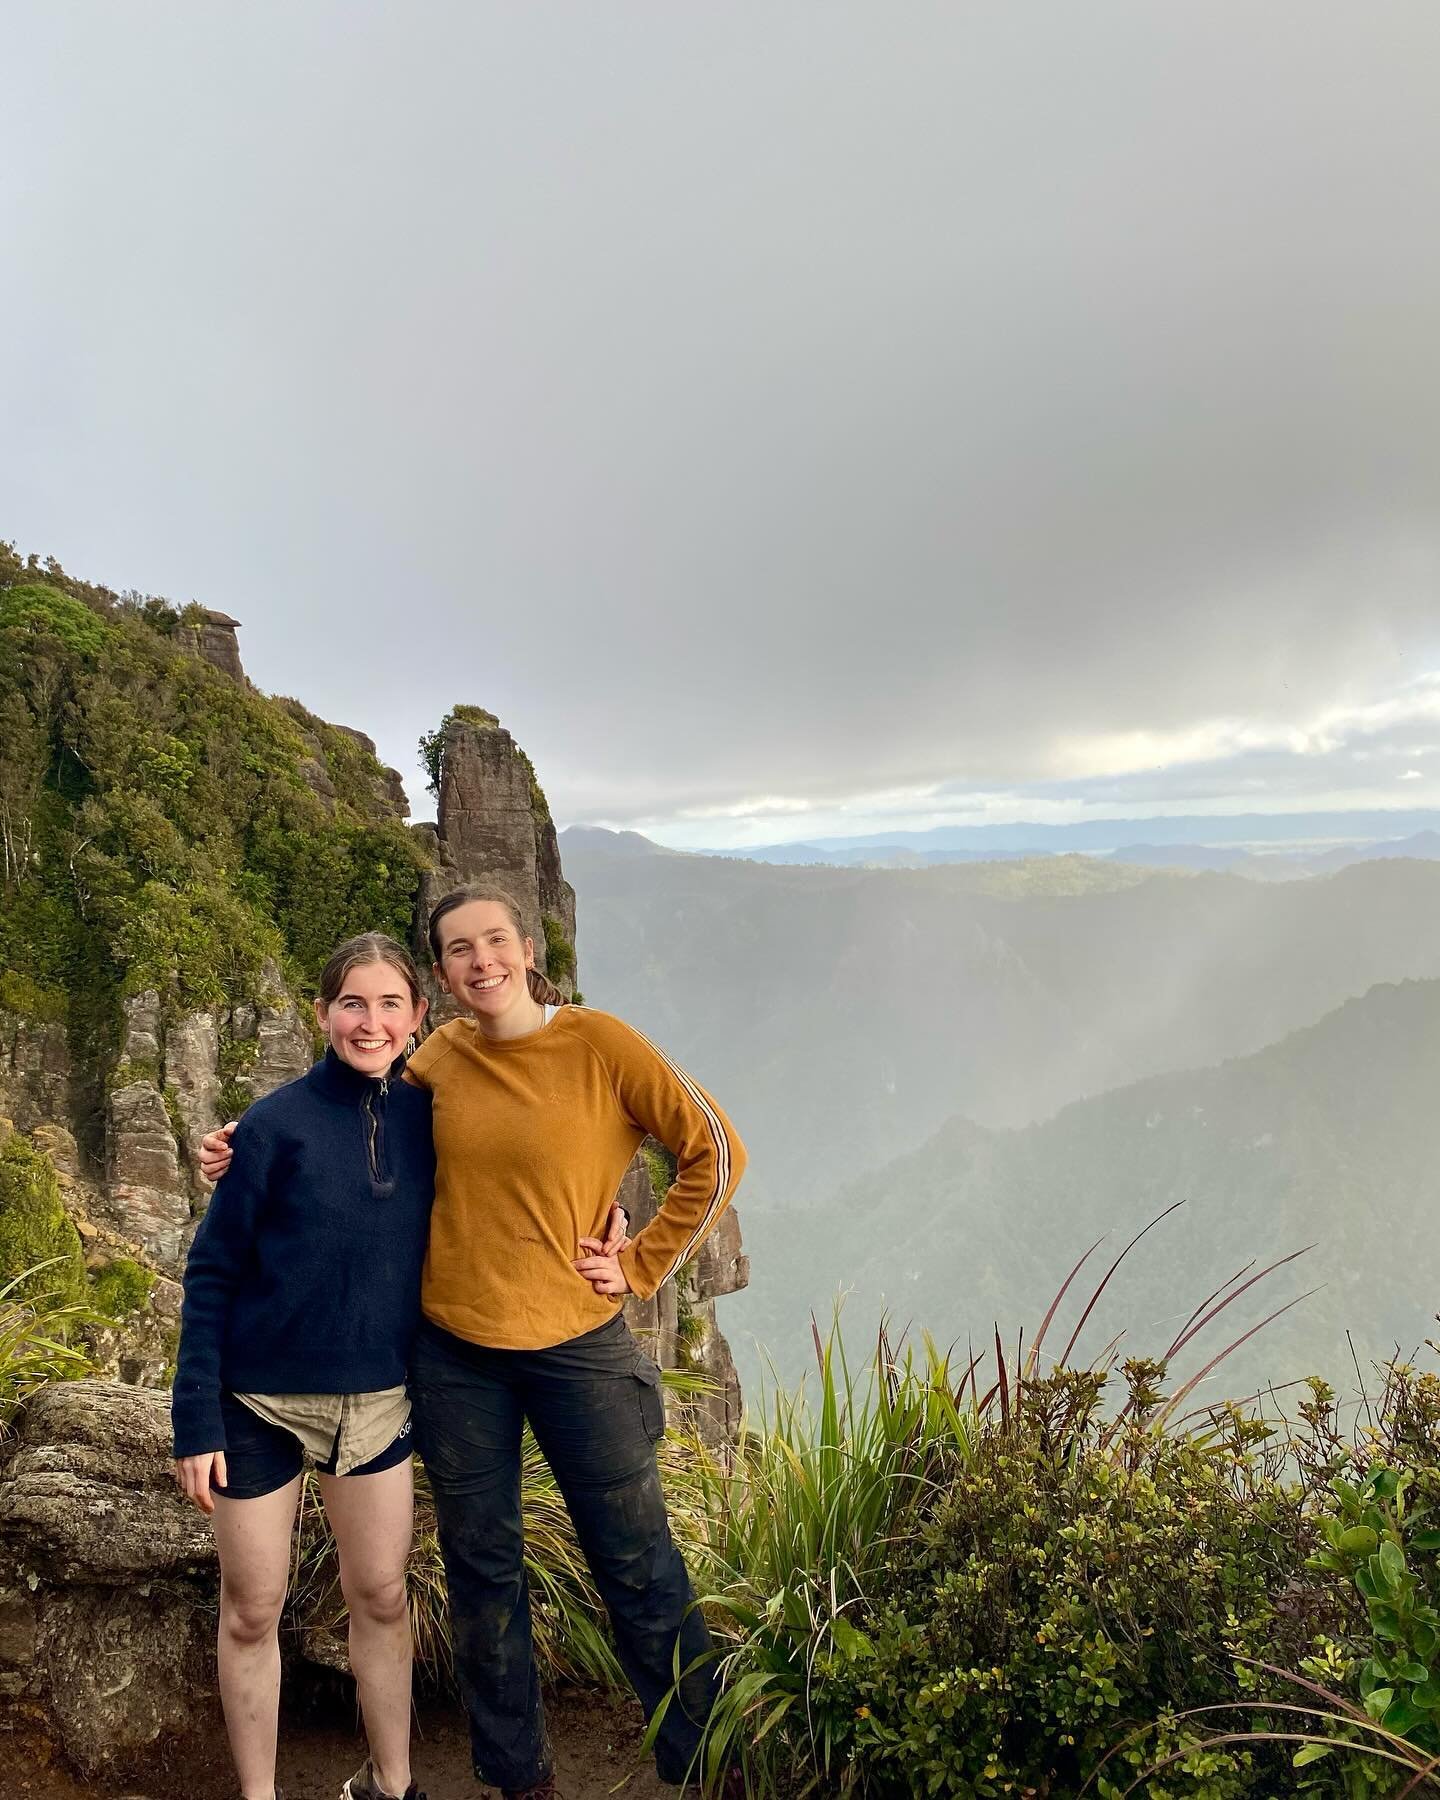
(955, 1080)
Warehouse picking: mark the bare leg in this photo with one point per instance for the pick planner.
(253, 1537)
(373, 1520)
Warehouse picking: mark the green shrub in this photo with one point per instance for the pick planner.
(203, 945)
(237, 1057)
(1057, 1595)
(559, 951)
(36, 612)
(120, 1288)
(35, 1228)
(28, 999)
(923, 1588)
(130, 1070)
(1379, 1523)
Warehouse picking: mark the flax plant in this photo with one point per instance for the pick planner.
(801, 1520)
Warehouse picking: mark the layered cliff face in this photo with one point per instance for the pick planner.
(679, 1322)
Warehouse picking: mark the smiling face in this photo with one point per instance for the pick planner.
(483, 962)
(371, 1018)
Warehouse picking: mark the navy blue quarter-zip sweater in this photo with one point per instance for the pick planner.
(304, 1276)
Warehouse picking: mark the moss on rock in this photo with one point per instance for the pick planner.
(120, 1287)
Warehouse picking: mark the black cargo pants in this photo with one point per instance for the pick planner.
(596, 1409)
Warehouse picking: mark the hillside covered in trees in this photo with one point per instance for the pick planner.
(1327, 1142)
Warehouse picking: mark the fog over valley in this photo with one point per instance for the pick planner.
(953, 1079)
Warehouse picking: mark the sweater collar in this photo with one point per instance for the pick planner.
(338, 1081)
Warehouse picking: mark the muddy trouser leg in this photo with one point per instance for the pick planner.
(467, 1429)
(597, 1413)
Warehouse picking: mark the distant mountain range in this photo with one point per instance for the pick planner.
(1308, 832)
(1330, 1137)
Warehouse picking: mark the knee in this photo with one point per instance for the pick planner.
(250, 1615)
(378, 1599)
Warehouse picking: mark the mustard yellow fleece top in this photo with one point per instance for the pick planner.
(533, 1136)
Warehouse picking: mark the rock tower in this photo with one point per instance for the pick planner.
(494, 825)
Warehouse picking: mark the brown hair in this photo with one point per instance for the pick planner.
(356, 952)
(541, 987)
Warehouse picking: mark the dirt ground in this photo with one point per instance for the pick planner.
(597, 1739)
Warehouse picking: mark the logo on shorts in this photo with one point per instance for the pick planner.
(404, 1430)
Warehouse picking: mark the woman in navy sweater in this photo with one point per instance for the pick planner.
(302, 1293)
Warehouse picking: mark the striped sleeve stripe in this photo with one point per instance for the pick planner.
(721, 1140)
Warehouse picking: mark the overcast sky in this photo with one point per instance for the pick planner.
(789, 418)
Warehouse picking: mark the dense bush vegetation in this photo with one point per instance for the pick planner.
(922, 1588)
(163, 825)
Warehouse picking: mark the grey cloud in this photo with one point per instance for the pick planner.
(744, 401)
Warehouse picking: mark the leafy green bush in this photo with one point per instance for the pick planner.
(1377, 1673)
(39, 613)
(1062, 1590)
(120, 1287)
(35, 1228)
(237, 1056)
(29, 1000)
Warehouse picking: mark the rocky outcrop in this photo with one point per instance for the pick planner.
(211, 635)
(144, 1190)
(192, 1076)
(34, 1070)
(679, 1322)
(394, 781)
(107, 1578)
(495, 825)
(282, 1033)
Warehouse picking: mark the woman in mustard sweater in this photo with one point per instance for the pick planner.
(537, 1112)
